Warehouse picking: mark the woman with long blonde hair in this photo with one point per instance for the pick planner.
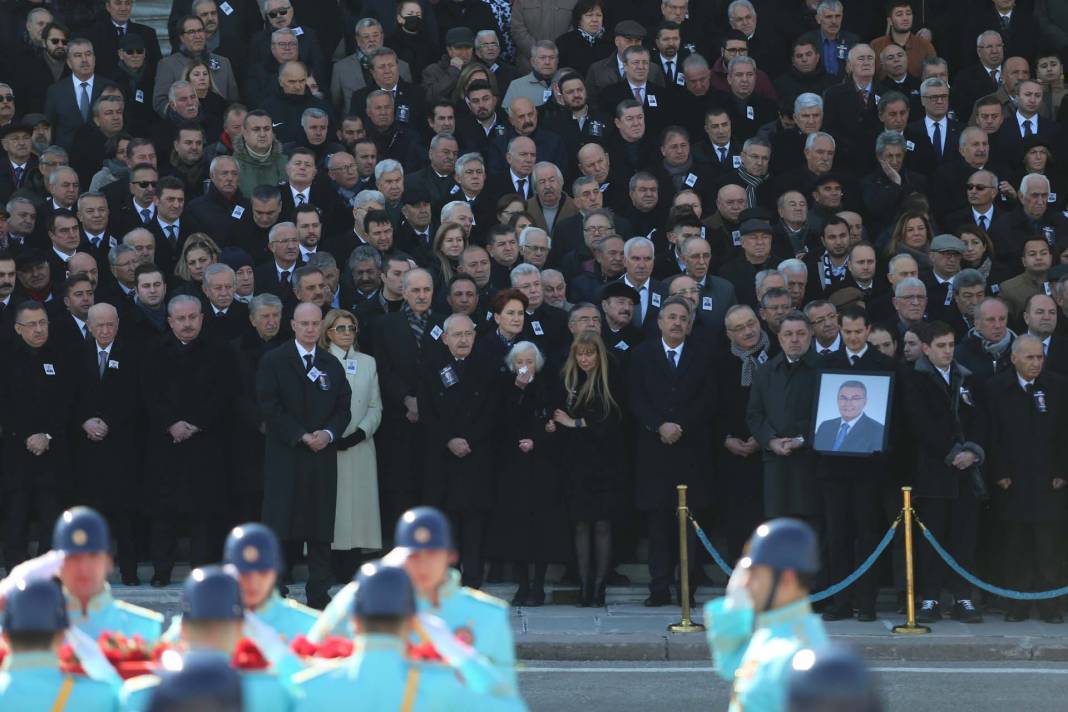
(590, 421)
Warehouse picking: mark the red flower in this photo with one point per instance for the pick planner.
(248, 657)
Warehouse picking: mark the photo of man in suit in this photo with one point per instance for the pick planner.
(853, 431)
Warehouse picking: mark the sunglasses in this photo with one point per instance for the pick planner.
(976, 186)
(56, 41)
(280, 12)
(143, 184)
(135, 50)
(344, 328)
(7, 97)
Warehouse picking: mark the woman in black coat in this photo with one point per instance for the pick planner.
(587, 42)
(589, 418)
(528, 524)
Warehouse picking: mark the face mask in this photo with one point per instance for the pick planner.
(413, 23)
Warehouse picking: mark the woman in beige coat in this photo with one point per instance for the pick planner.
(357, 523)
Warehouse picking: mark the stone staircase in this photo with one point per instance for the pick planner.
(154, 13)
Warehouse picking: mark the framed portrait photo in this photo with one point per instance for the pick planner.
(852, 413)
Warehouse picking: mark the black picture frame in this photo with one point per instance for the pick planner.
(869, 434)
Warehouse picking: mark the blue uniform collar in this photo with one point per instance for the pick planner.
(97, 603)
(36, 660)
(272, 600)
(786, 614)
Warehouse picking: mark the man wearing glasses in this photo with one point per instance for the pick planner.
(192, 45)
(935, 135)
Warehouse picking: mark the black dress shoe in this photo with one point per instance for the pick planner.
(1014, 617)
(615, 578)
(520, 597)
(866, 616)
(658, 598)
(836, 614)
(536, 597)
(131, 581)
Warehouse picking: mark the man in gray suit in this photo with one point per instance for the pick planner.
(68, 103)
(193, 46)
(609, 71)
(853, 431)
(349, 75)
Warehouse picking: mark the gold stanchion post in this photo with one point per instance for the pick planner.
(685, 625)
(910, 626)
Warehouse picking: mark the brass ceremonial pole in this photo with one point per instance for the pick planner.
(910, 626)
(685, 625)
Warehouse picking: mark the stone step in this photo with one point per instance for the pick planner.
(154, 13)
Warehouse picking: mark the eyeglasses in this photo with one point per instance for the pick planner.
(684, 292)
(343, 328)
(349, 168)
(288, 44)
(535, 248)
(6, 98)
(978, 186)
(937, 97)
(916, 298)
(143, 184)
(194, 31)
(280, 12)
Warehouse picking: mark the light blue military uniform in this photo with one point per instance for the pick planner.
(106, 614)
(757, 658)
(378, 677)
(261, 691)
(485, 618)
(290, 618)
(32, 682)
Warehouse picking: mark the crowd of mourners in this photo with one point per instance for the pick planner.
(537, 263)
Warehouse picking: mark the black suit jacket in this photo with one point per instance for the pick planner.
(969, 85)
(300, 486)
(61, 107)
(106, 44)
(684, 395)
(660, 102)
(1011, 140)
(400, 358)
(167, 252)
(266, 280)
(923, 158)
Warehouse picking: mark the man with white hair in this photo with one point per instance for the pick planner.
(851, 108)
(1032, 216)
(638, 258)
(544, 325)
(225, 317)
(935, 135)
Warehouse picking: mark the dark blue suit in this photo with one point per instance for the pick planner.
(865, 435)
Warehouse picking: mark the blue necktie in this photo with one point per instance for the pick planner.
(840, 437)
(937, 140)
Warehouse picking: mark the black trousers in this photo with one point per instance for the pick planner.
(470, 531)
(955, 524)
(203, 547)
(319, 574)
(852, 516)
(664, 549)
(121, 525)
(1033, 562)
(18, 506)
(891, 499)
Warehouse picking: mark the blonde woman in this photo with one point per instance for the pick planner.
(197, 254)
(357, 523)
(588, 417)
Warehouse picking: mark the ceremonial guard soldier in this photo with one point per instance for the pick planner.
(213, 622)
(378, 675)
(424, 543)
(81, 534)
(253, 551)
(765, 617)
(34, 620)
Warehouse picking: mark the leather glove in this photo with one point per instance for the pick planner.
(352, 440)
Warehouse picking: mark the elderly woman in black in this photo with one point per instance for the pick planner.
(529, 525)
